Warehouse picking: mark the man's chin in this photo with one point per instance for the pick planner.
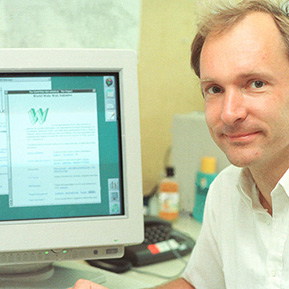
(240, 159)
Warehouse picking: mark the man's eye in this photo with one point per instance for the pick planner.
(214, 90)
(257, 84)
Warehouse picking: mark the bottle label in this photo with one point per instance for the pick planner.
(169, 202)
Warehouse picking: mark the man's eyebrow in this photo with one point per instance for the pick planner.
(204, 80)
(252, 74)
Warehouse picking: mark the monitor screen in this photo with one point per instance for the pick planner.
(69, 163)
(70, 170)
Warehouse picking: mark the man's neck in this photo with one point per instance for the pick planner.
(266, 203)
(266, 178)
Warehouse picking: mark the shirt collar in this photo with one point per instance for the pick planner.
(249, 191)
(284, 182)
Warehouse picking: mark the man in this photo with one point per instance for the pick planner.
(241, 55)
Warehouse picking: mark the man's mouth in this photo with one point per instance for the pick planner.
(241, 138)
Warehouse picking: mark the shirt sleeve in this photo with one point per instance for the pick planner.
(204, 269)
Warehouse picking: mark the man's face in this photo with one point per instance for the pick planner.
(245, 82)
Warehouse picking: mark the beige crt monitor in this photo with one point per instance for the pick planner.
(70, 161)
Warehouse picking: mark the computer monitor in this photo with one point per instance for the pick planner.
(70, 162)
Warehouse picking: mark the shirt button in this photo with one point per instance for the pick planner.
(273, 274)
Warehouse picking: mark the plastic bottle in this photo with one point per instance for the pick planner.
(204, 178)
(169, 196)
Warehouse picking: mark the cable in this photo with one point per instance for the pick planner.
(159, 275)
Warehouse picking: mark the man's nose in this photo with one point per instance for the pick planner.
(233, 109)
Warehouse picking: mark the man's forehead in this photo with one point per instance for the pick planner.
(253, 20)
(250, 42)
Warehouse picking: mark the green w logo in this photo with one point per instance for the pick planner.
(38, 116)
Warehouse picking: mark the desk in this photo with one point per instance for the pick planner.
(135, 280)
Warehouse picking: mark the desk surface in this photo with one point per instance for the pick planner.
(172, 268)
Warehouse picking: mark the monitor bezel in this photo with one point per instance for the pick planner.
(85, 232)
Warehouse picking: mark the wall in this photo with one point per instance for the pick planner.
(166, 82)
(70, 23)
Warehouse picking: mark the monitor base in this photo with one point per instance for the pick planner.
(26, 272)
(58, 276)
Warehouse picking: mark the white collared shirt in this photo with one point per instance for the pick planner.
(240, 245)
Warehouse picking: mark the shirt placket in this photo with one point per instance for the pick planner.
(278, 239)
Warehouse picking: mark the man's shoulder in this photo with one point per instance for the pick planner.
(229, 174)
(226, 182)
(223, 192)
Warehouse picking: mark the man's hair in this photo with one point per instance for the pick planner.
(224, 16)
